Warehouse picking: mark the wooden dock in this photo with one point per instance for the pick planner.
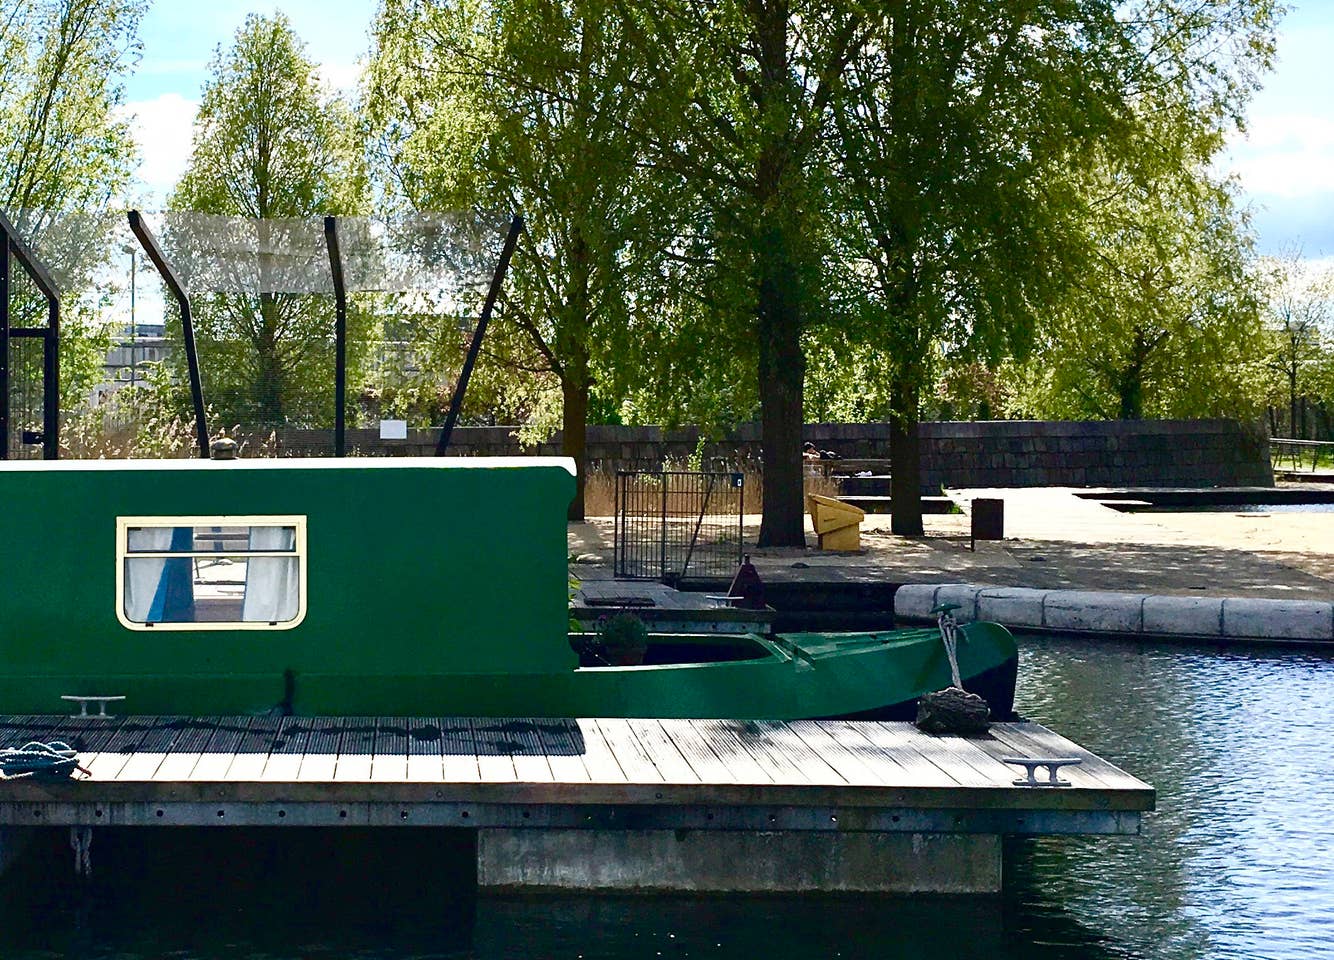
(607, 804)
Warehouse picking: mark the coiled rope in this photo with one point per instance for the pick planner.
(56, 760)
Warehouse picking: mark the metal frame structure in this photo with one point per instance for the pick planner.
(474, 348)
(660, 524)
(340, 336)
(50, 436)
(150, 245)
(50, 335)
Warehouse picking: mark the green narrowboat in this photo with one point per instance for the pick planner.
(396, 586)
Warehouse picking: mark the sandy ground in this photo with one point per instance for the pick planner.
(1058, 540)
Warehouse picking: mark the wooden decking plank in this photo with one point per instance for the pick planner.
(756, 738)
(458, 752)
(563, 743)
(95, 740)
(722, 739)
(697, 752)
(815, 765)
(153, 749)
(288, 751)
(214, 761)
(1018, 740)
(88, 736)
(356, 750)
(670, 762)
(390, 761)
(1093, 764)
(598, 757)
(17, 730)
(186, 751)
(252, 751)
(424, 751)
(630, 755)
(1008, 743)
(938, 751)
(494, 763)
(115, 750)
(526, 751)
(900, 765)
(320, 759)
(855, 769)
(969, 752)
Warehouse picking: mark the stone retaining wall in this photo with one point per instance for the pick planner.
(1123, 614)
(996, 453)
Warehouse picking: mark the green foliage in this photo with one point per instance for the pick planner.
(521, 105)
(270, 144)
(1165, 320)
(151, 420)
(64, 150)
(740, 112)
(1299, 330)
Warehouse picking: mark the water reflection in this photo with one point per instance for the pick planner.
(1236, 861)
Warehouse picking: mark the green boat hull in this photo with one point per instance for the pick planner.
(794, 676)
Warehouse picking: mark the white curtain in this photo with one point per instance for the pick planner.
(272, 584)
(143, 575)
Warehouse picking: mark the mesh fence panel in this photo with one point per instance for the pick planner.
(263, 304)
(674, 525)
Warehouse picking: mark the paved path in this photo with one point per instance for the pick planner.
(1056, 540)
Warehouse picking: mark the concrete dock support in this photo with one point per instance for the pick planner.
(713, 861)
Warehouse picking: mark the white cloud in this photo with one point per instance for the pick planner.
(1285, 155)
(341, 77)
(162, 129)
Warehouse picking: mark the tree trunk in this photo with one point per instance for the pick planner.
(268, 365)
(1292, 402)
(1131, 396)
(574, 437)
(575, 381)
(782, 364)
(905, 460)
(782, 371)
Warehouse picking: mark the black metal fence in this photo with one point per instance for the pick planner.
(671, 525)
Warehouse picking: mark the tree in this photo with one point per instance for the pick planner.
(1299, 311)
(1165, 319)
(969, 136)
(64, 153)
(521, 105)
(271, 146)
(739, 109)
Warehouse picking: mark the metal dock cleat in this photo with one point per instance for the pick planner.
(1052, 764)
(83, 707)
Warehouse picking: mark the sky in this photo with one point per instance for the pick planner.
(1285, 161)
(179, 39)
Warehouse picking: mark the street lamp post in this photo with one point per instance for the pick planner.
(134, 329)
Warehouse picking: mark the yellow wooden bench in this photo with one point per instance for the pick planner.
(837, 524)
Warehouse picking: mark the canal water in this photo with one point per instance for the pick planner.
(1237, 862)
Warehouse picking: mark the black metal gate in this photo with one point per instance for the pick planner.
(29, 340)
(672, 524)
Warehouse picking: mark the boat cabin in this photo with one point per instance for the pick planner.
(253, 581)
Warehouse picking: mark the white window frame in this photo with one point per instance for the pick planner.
(123, 525)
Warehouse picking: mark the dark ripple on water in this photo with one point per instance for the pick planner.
(1237, 862)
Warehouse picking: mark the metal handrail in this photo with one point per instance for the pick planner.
(1281, 448)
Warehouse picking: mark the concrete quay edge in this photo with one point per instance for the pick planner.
(1129, 615)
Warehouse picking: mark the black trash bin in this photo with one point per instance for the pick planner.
(988, 520)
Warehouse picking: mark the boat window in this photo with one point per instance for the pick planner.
(201, 573)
